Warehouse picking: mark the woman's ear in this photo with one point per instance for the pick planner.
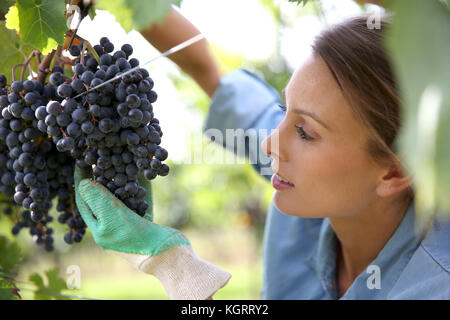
(393, 181)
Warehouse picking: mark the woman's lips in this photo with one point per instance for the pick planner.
(278, 184)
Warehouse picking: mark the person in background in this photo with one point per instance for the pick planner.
(342, 222)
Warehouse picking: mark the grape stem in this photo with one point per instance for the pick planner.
(24, 66)
(43, 69)
(29, 65)
(64, 134)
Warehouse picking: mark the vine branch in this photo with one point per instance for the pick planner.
(43, 68)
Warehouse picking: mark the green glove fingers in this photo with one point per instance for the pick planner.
(87, 215)
(119, 228)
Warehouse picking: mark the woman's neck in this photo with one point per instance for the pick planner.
(362, 237)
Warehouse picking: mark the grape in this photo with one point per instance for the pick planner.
(100, 74)
(87, 77)
(54, 108)
(134, 62)
(79, 68)
(16, 109)
(64, 90)
(108, 47)
(79, 115)
(99, 49)
(4, 101)
(3, 81)
(150, 174)
(75, 51)
(135, 115)
(122, 63)
(128, 49)
(41, 113)
(112, 71)
(74, 130)
(63, 119)
(161, 154)
(56, 79)
(57, 69)
(28, 86)
(91, 63)
(152, 96)
(105, 59)
(27, 114)
(133, 101)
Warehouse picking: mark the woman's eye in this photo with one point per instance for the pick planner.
(303, 134)
(282, 107)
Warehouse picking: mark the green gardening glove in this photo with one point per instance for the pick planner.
(161, 251)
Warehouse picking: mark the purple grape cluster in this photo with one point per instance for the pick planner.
(32, 171)
(111, 130)
(45, 130)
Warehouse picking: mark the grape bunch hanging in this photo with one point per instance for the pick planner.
(46, 129)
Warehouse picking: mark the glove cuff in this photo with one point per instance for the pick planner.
(183, 274)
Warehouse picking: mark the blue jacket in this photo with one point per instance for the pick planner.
(299, 254)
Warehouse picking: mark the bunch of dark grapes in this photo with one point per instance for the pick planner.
(45, 130)
(111, 130)
(33, 173)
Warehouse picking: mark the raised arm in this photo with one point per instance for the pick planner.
(196, 60)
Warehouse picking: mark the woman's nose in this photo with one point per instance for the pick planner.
(265, 146)
(271, 145)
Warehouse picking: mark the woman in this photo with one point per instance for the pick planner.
(342, 223)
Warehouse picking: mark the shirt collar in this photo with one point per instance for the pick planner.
(391, 260)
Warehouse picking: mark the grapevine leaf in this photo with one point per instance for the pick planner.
(5, 4)
(10, 254)
(52, 290)
(302, 2)
(10, 51)
(92, 13)
(37, 280)
(424, 76)
(42, 23)
(7, 294)
(12, 18)
(6, 289)
(137, 14)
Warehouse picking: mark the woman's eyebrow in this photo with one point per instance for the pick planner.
(306, 113)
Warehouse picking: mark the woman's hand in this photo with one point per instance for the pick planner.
(161, 251)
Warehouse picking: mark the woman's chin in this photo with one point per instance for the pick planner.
(285, 205)
(292, 207)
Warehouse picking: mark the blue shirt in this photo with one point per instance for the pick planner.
(299, 254)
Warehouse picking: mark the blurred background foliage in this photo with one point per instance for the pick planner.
(222, 208)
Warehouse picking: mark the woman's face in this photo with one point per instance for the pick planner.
(322, 155)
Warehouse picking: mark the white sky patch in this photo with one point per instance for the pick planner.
(239, 26)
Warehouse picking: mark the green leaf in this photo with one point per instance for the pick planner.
(137, 14)
(12, 18)
(37, 280)
(42, 23)
(7, 288)
(5, 4)
(92, 13)
(10, 51)
(10, 254)
(7, 294)
(302, 2)
(52, 290)
(419, 42)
